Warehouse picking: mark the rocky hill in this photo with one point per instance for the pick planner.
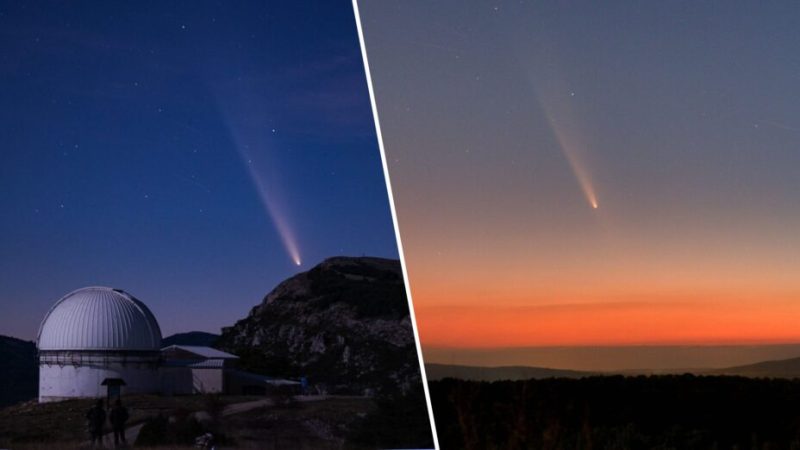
(344, 324)
(19, 370)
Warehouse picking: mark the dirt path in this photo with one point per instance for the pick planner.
(236, 408)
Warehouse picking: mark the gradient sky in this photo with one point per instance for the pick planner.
(170, 148)
(503, 123)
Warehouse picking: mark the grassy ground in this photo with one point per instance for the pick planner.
(64, 422)
(48, 422)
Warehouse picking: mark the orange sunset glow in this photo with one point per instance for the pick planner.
(598, 287)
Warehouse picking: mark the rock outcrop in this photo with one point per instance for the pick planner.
(344, 324)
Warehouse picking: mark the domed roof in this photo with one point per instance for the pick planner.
(99, 318)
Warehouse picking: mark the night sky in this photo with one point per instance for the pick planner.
(187, 152)
(592, 173)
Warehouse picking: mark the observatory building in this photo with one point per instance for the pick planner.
(94, 335)
(98, 342)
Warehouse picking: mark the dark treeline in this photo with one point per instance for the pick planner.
(616, 412)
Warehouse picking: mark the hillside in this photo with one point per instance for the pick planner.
(198, 338)
(475, 373)
(19, 370)
(344, 324)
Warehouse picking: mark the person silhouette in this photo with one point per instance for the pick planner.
(96, 418)
(303, 385)
(118, 416)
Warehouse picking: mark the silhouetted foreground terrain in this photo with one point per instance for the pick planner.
(616, 412)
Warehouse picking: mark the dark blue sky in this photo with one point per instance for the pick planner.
(131, 136)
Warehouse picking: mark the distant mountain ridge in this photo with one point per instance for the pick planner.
(476, 373)
(19, 370)
(784, 368)
(198, 338)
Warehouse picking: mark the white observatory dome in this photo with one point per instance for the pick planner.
(99, 318)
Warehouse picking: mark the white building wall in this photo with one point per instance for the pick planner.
(57, 382)
(207, 381)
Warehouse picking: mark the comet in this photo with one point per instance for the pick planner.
(570, 143)
(571, 149)
(244, 108)
(247, 138)
(272, 206)
(556, 100)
